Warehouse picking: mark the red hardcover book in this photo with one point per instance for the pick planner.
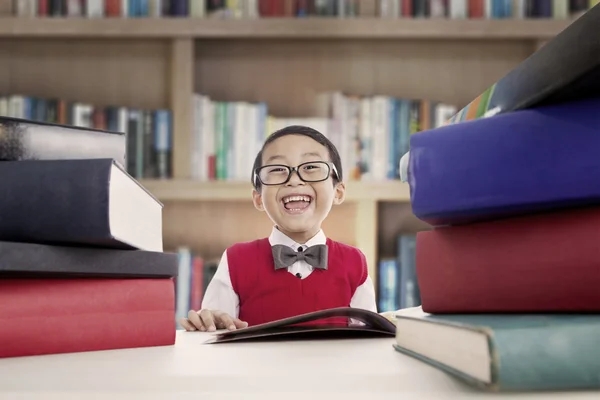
(113, 8)
(407, 8)
(547, 262)
(476, 8)
(197, 284)
(42, 10)
(51, 316)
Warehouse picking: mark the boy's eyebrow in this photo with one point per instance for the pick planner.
(272, 158)
(278, 157)
(313, 154)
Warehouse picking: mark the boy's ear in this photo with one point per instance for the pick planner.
(257, 200)
(339, 193)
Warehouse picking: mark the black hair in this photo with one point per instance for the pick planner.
(299, 130)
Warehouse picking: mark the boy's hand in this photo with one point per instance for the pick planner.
(210, 320)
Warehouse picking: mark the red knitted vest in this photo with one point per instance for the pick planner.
(267, 294)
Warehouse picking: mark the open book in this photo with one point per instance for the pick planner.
(314, 325)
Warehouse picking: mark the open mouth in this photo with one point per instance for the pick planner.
(296, 203)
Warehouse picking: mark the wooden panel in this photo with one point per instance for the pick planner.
(210, 227)
(366, 234)
(393, 220)
(351, 28)
(168, 190)
(181, 90)
(100, 72)
(6, 8)
(288, 74)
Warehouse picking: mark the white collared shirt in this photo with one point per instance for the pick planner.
(220, 295)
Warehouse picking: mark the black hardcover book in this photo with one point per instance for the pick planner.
(31, 140)
(565, 69)
(35, 260)
(77, 202)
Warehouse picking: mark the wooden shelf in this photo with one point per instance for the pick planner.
(299, 28)
(188, 190)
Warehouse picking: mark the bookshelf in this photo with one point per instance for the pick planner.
(281, 28)
(157, 63)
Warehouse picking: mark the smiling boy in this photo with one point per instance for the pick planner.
(297, 178)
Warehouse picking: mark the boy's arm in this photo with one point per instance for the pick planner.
(364, 296)
(219, 294)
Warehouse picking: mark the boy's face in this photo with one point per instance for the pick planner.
(300, 220)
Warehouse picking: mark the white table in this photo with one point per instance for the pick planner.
(342, 369)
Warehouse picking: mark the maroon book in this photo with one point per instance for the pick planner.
(546, 262)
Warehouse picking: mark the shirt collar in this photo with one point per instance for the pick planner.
(278, 237)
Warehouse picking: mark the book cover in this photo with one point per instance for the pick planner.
(567, 68)
(516, 163)
(33, 140)
(506, 353)
(91, 202)
(543, 262)
(329, 323)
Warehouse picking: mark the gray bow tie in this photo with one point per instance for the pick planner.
(285, 256)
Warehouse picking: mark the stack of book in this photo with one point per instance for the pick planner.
(82, 266)
(509, 276)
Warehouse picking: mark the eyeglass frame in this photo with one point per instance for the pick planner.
(291, 170)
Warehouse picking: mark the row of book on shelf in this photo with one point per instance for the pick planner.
(370, 132)
(397, 285)
(149, 132)
(85, 237)
(480, 9)
(195, 272)
(251, 9)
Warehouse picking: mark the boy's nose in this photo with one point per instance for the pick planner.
(295, 179)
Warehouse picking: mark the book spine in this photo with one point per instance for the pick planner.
(512, 265)
(84, 315)
(29, 259)
(450, 179)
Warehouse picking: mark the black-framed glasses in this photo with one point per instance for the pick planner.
(278, 174)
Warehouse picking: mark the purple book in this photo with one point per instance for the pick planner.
(521, 162)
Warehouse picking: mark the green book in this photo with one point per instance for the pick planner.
(506, 352)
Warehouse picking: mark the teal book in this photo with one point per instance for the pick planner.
(506, 352)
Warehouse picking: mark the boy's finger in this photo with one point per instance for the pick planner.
(207, 320)
(187, 325)
(226, 321)
(195, 319)
(239, 323)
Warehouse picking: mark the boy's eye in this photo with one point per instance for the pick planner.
(312, 167)
(276, 170)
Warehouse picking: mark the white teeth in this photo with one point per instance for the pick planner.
(296, 198)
